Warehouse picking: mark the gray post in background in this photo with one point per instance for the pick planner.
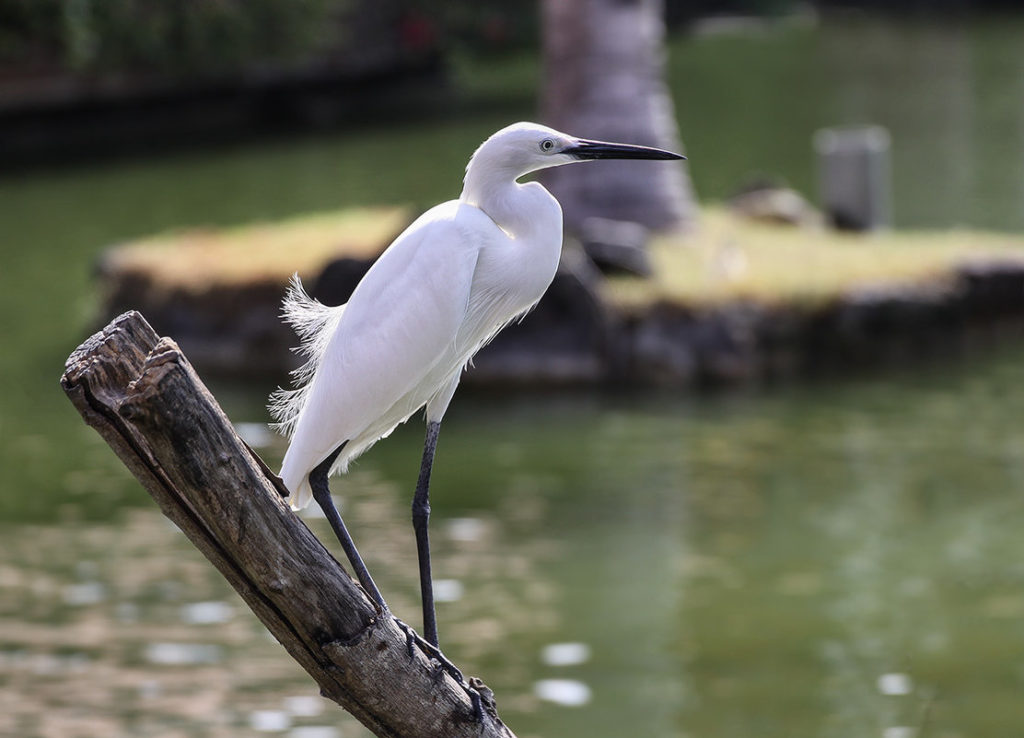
(855, 177)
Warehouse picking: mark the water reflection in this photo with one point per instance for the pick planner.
(836, 561)
(843, 560)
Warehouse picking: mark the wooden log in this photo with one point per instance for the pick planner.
(143, 396)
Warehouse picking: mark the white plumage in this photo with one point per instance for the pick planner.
(453, 279)
(446, 286)
(428, 304)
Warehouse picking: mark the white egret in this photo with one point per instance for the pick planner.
(454, 278)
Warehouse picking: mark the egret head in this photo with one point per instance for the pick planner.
(526, 147)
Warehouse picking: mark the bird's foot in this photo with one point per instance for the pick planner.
(442, 666)
(412, 638)
(486, 695)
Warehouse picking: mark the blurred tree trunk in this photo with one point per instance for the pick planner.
(604, 79)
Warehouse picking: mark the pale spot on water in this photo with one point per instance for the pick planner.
(87, 569)
(565, 654)
(447, 590)
(314, 731)
(207, 613)
(899, 731)
(180, 654)
(257, 435)
(150, 689)
(895, 684)
(84, 593)
(566, 692)
(466, 530)
(269, 721)
(304, 705)
(126, 612)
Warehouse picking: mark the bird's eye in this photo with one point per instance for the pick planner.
(547, 144)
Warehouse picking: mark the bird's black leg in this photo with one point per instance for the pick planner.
(420, 518)
(322, 495)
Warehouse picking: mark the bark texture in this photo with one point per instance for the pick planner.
(142, 395)
(604, 79)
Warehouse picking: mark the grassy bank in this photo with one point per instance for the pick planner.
(197, 259)
(730, 258)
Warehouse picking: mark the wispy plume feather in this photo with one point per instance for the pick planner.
(315, 323)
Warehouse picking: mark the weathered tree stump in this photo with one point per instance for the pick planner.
(143, 396)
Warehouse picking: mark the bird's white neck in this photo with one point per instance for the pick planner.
(494, 190)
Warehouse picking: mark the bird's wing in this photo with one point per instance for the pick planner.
(385, 357)
(405, 315)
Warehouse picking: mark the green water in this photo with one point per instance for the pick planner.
(836, 560)
(736, 566)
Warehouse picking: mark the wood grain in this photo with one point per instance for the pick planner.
(144, 398)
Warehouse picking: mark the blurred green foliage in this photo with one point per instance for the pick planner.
(485, 26)
(210, 37)
(186, 37)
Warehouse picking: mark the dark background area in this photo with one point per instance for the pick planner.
(80, 80)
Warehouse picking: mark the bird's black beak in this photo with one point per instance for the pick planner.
(584, 149)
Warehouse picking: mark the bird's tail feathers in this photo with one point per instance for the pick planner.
(302, 496)
(314, 322)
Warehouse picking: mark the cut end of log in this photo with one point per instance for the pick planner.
(136, 332)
